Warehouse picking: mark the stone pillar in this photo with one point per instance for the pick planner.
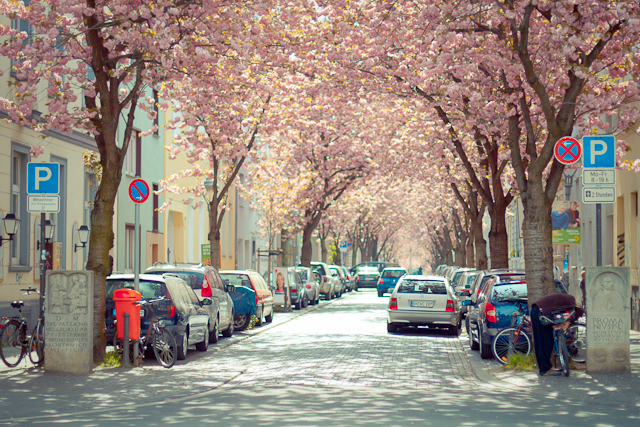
(69, 321)
(608, 319)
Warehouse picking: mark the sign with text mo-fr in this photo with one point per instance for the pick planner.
(43, 178)
(599, 151)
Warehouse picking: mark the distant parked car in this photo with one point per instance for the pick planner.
(251, 279)
(336, 273)
(182, 313)
(423, 301)
(350, 284)
(310, 284)
(388, 279)
(465, 283)
(366, 277)
(205, 282)
(326, 281)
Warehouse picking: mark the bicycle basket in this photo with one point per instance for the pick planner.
(558, 315)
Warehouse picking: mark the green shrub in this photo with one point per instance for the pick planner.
(520, 362)
(112, 359)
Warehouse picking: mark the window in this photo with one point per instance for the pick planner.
(422, 287)
(155, 208)
(19, 248)
(21, 25)
(133, 159)
(129, 247)
(156, 108)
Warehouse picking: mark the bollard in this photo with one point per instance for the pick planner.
(125, 343)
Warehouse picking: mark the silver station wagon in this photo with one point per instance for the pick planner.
(423, 301)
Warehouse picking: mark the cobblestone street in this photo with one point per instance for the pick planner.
(332, 364)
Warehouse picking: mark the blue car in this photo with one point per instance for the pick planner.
(491, 312)
(388, 279)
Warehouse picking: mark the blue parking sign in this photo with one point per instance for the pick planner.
(43, 178)
(599, 151)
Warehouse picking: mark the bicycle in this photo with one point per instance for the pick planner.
(560, 320)
(36, 342)
(516, 339)
(14, 341)
(157, 337)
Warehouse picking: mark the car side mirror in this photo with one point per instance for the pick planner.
(207, 301)
(230, 288)
(467, 302)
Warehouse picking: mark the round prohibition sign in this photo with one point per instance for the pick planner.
(138, 191)
(568, 150)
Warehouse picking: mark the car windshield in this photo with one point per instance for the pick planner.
(148, 289)
(420, 286)
(509, 292)
(471, 278)
(318, 269)
(237, 279)
(393, 273)
(193, 278)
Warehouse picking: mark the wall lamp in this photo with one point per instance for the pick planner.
(10, 226)
(83, 235)
(49, 228)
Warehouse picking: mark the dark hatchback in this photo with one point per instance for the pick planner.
(500, 296)
(366, 277)
(182, 313)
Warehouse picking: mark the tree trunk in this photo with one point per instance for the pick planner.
(498, 239)
(305, 256)
(538, 250)
(480, 244)
(98, 259)
(470, 257)
(323, 248)
(215, 223)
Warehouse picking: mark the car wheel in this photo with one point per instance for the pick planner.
(259, 322)
(305, 301)
(454, 330)
(380, 293)
(229, 331)
(214, 336)
(203, 345)
(299, 304)
(391, 327)
(182, 347)
(240, 323)
(269, 318)
(327, 296)
(485, 350)
(473, 344)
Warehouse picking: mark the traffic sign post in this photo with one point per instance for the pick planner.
(598, 194)
(138, 191)
(598, 177)
(567, 150)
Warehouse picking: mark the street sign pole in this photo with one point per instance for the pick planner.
(598, 234)
(43, 260)
(136, 262)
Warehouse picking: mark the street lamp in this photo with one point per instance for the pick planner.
(10, 226)
(83, 236)
(49, 228)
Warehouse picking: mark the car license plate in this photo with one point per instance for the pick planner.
(427, 304)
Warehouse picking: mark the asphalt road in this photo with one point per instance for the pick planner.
(330, 365)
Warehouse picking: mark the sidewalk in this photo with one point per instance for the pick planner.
(609, 389)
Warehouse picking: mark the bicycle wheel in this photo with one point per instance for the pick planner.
(563, 353)
(164, 347)
(13, 344)
(36, 344)
(510, 341)
(577, 342)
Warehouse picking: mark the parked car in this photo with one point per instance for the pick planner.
(182, 313)
(310, 284)
(379, 265)
(456, 276)
(465, 283)
(350, 284)
(251, 279)
(206, 283)
(341, 286)
(423, 301)
(491, 310)
(500, 296)
(326, 281)
(388, 279)
(366, 277)
(298, 293)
